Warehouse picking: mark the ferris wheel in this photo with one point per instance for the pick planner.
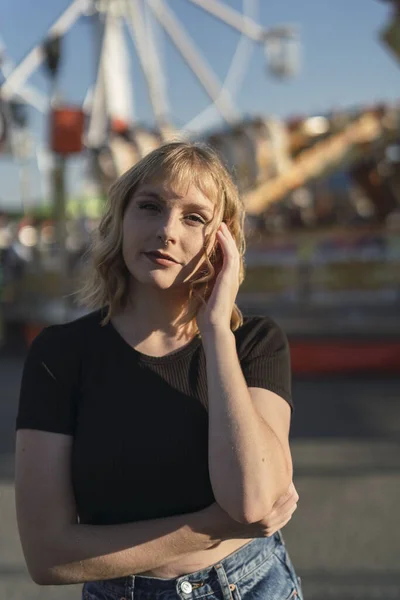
(111, 132)
(112, 95)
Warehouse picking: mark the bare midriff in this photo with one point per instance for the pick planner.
(196, 561)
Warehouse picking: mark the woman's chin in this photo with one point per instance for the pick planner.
(158, 279)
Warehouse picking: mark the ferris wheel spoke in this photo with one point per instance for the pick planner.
(206, 77)
(232, 17)
(95, 99)
(155, 61)
(148, 60)
(234, 77)
(27, 94)
(34, 98)
(36, 56)
(241, 58)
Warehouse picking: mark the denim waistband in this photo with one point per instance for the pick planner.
(234, 567)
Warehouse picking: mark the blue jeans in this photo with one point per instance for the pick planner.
(260, 570)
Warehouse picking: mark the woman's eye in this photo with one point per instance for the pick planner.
(196, 219)
(148, 206)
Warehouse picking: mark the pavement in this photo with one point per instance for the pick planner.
(344, 538)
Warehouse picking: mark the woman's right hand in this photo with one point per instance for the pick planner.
(279, 516)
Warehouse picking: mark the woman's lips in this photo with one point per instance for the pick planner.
(159, 260)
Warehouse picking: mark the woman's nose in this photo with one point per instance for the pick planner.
(169, 227)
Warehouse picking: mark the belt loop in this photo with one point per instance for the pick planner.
(280, 536)
(132, 587)
(223, 581)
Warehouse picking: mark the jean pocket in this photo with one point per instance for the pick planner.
(282, 555)
(235, 593)
(275, 594)
(271, 579)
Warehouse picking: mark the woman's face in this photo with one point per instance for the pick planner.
(156, 213)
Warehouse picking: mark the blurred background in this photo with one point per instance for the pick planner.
(301, 100)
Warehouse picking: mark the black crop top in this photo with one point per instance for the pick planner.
(140, 430)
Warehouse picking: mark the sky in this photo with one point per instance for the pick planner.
(343, 64)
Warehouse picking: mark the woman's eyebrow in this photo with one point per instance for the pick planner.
(189, 205)
(150, 194)
(199, 206)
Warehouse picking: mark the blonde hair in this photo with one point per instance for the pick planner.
(106, 277)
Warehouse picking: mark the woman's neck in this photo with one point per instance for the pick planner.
(151, 318)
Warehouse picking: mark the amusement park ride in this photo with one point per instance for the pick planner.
(271, 158)
(109, 103)
(106, 126)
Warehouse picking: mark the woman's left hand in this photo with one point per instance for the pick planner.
(217, 312)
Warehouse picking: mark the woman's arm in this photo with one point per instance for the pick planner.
(58, 550)
(249, 457)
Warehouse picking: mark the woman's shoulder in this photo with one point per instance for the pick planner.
(260, 333)
(64, 337)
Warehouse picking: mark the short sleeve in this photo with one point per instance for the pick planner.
(49, 383)
(264, 355)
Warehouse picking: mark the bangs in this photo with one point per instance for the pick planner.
(182, 170)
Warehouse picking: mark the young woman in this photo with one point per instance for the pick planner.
(152, 453)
